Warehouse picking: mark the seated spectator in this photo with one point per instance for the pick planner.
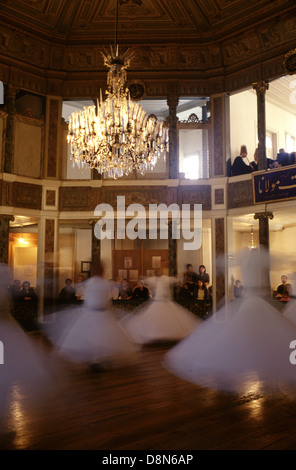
(284, 288)
(15, 290)
(79, 288)
(203, 275)
(190, 278)
(126, 292)
(117, 288)
(185, 293)
(27, 293)
(238, 289)
(140, 292)
(285, 158)
(239, 167)
(67, 294)
(25, 308)
(201, 293)
(254, 164)
(285, 297)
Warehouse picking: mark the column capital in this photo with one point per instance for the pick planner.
(11, 91)
(7, 218)
(260, 87)
(263, 215)
(172, 101)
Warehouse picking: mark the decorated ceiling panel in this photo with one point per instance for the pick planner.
(174, 20)
(206, 46)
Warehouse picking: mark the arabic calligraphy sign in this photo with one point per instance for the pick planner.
(274, 185)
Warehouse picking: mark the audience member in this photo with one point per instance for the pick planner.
(190, 278)
(67, 294)
(203, 275)
(79, 288)
(238, 289)
(284, 288)
(254, 164)
(284, 158)
(239, 167)
(126, 292)
(201, 293)
(140, 292)
(27, 293)
(117, 288)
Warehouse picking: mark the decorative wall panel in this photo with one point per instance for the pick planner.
(26, 195)
(195, 195)
(240, 194)
(77, 198)
(53, 117)
(28, 147)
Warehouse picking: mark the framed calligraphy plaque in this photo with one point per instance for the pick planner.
(274, 185)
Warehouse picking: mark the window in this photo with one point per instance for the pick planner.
(193, 126)
(270, 144)
(193, 153)
(290, 143)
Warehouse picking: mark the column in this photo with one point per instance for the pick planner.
(220, 135)
(4, 237)
(95, 249)
(172, 251)
(263, 218)
(219, 249)
(10, 93)
(47, 264)
(172, 102)
(261, 88)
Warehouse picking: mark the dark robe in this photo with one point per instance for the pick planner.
(239, 167)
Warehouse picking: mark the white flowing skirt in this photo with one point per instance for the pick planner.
(24, 361)
(289, 311)
(248, 350)
(87, 335)
(160, 320)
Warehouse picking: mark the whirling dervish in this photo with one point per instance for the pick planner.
(245, 346)
(289, 311)
(161, 319)
(90, 334)
(22, 363)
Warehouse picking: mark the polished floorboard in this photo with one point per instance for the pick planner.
(144, 407)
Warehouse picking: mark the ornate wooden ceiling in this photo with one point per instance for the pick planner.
(154, 21)
(213, 40)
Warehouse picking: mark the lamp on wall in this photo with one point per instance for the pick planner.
(252, 242)
(116, 136)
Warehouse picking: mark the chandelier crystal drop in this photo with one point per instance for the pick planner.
(116, 136)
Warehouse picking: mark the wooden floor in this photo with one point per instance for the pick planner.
(147, 408)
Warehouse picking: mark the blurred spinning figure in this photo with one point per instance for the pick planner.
(22, 363)
(244, 347)
(90, 334)
(161, 319)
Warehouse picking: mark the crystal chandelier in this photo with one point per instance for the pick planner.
(116, 136)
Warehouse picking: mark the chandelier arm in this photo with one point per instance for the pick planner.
(116, 29)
